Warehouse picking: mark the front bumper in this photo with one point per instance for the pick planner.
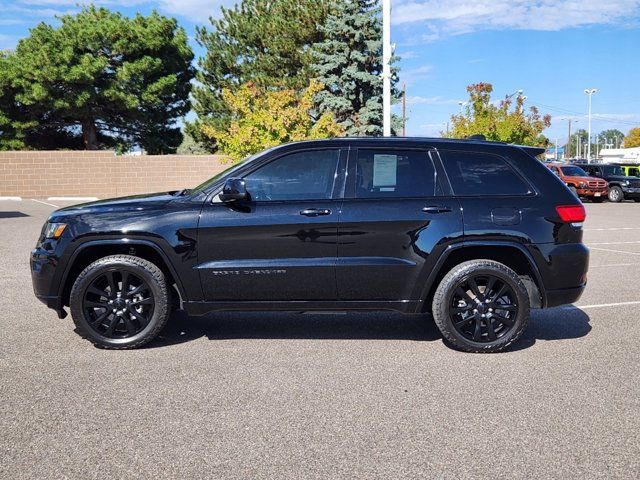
(590, 192)
(631, 192)
(44, 268)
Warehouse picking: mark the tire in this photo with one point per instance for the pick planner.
(616, 195)
(456, 327)
(135, 288)
(636, 199)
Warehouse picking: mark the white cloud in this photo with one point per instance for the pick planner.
(451, 17)
(412, 75)
(418, 100)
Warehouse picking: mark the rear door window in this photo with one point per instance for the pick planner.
(384, 173)
(482, 174)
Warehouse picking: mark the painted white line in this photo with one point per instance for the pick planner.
(610, 229)
(614, 251)
(613, 243)
(11, 199)
(605, 305)
(614, 265)
(72, 199)
(45, 203)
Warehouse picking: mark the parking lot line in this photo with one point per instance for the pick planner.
(612, 229)
(613, 243)
(615, 265)
(614, 251)
(45, 203)
(603, 305)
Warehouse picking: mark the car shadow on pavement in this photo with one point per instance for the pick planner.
(561, 323)
(553, 324)
(285, 325)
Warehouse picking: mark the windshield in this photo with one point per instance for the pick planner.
(573, 172)
(612, 170)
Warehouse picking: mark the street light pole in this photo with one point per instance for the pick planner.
(386, 68)
(589, 92)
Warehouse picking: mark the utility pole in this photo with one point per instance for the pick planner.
(589, 92)
(404, 109)
(567, 154)
(386, 68)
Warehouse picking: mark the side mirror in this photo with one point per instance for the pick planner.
(234, 189)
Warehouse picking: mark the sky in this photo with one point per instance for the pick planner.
(550, 49)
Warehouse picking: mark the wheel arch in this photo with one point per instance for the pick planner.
(511, 254)
(91, 251)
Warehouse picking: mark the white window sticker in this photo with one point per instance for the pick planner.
(384, 170)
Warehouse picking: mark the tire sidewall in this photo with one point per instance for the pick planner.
(93, 271)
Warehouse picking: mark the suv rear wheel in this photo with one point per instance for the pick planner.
(481, 306)
(120, 302)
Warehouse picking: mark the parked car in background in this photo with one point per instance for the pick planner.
(621, 186)
(475, 232)
(630, 170)
(579, 181)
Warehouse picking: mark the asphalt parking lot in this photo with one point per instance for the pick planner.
(325, 396)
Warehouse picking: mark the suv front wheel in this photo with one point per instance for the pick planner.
(120, 302)
(481, 306)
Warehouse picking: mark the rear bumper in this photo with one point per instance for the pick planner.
(564, 296)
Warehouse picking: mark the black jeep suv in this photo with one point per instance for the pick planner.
(621, 187)
(475, 232)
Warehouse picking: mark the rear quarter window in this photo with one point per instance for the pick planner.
(482, 174)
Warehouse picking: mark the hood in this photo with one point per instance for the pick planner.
(130, 203)
(621, 178)
(585, 179)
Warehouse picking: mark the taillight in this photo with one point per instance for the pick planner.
(571, 213)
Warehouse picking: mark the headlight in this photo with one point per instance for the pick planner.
(582, 184)
(626, 183)
(54, 230)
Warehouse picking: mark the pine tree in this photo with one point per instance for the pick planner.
(348, 61)
(266, 43)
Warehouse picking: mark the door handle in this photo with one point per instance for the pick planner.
(436, 209)
(315, 212)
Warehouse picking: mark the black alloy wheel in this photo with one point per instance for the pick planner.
(118, 304)
(483, 308)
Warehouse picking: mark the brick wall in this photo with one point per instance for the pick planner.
(101, 174)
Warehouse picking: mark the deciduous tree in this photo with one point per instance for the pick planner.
(262, 118)
(266, 43)
(499, 122)
(633, 138)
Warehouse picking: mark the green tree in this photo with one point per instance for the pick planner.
(612, 137)
(101, 80)
(499, 122)
(266, 43)
(190, 147)
(262, 118)
(633, 138)
(578, 139)
(348, 61)
(14, 119)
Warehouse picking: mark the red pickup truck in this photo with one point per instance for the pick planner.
(580, 183)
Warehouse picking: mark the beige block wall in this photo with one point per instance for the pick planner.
(101, 174)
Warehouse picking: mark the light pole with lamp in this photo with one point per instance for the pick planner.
(589, 92)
